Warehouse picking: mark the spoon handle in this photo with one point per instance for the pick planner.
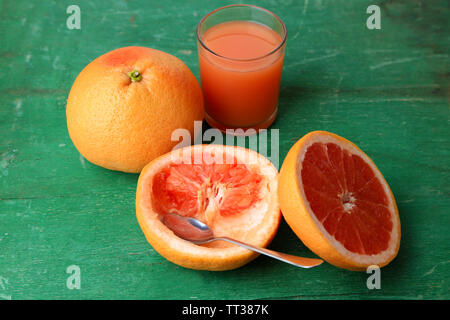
(294, 260)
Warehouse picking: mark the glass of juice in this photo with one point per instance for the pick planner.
(241, 52)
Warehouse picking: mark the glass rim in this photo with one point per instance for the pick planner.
(283, 40)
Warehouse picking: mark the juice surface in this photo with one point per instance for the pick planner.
(241, 39)
(241, 79)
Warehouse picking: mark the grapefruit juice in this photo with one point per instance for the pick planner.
(240, 68)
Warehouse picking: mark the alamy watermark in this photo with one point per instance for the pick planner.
(74, 280)
(74, 20)
(374, 280)
(374, 20)
(256, 140)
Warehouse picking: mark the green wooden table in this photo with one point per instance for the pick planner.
(387, 90)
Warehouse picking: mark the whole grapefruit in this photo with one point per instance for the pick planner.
(124, 106)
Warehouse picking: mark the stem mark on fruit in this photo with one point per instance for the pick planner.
(135, 76)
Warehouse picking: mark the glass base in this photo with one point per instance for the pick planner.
(243, 132)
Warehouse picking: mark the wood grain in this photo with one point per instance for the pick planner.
(387, 90)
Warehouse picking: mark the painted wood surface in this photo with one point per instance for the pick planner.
(386, 90)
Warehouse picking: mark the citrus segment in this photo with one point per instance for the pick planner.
(236, 199)
(330, 194)
(191, 189)
(342, 207)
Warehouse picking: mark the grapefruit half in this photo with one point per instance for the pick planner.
(232, 189)
(338, 203)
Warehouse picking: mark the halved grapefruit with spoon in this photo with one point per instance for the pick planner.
(338, 203)
(231, 189)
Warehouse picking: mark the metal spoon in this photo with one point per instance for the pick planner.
(197, 232)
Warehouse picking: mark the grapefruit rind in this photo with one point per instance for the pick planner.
(203, 257)
(298, 214)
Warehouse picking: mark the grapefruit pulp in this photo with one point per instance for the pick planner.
(232, 189)
(338, 203)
